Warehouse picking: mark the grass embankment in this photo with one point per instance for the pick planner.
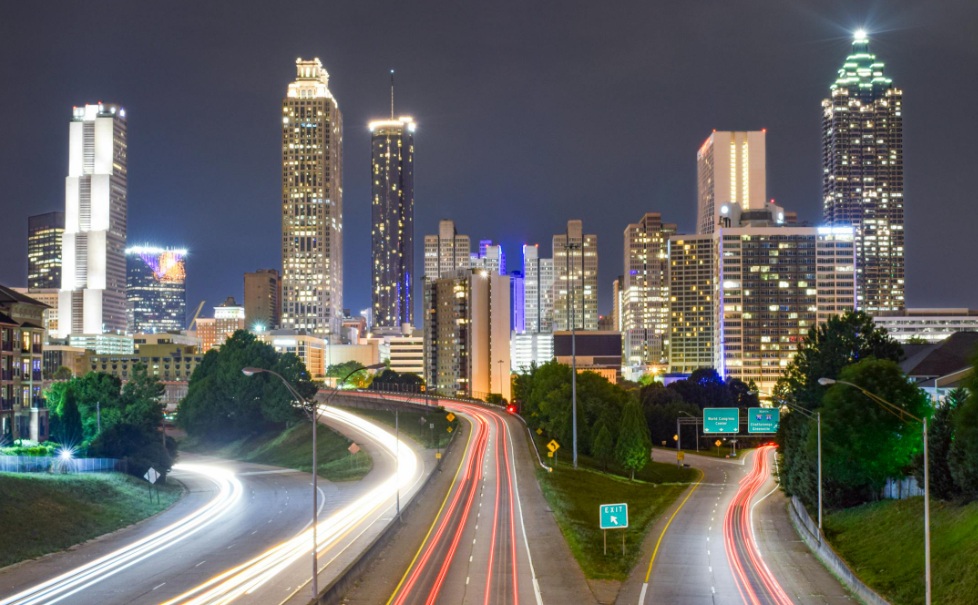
(890, 558)
(575, 495)
(724, 452)
(292, 448)
(416, 425)
(44, 513)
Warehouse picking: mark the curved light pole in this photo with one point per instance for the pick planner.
(311, 408)
(901, 414)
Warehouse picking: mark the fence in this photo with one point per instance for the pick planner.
(902, 489)
(56, 464)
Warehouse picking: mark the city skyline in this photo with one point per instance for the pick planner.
(530, 199)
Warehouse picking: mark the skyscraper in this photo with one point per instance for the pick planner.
(862, 174)
(92, 300)
(447, 252)
(576, 275)
(392, 227)
(645, 290)
(156, 289)
(44, 233)
(489, 257)
(312, 204)
(263, 299)
(538, 283)
(730, 168)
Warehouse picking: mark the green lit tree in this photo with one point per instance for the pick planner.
(634, 445)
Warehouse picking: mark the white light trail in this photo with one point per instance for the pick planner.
(80, 578)
(248, 577)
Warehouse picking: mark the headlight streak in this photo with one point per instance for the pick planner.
(80, 578)
(249, 576)
(739, 540)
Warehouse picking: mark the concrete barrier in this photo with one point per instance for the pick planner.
(807, 528)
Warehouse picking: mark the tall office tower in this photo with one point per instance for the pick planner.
(517, 302)
(263, 299)
(616, 302)
(466, 334)
(156, 289)
(92, 300)
(538, 291)
(730, 168)
(447, 252)
(489, 257)
(575, 275)
(862, 174)
(692, 293)
(312, 204)
(392, 228)
(645, 291)
(44, 233)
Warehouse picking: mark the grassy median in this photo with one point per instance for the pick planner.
(44, 513)
(898, 528)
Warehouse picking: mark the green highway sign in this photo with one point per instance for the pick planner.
(614, 516)
(763, 420)
(721, 420)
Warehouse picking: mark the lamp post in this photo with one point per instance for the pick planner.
(900, 413)
(312, 408)
(568, 246)
(500, 379)
(695, 427)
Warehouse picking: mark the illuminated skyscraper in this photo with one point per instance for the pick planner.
(645, 291)
(730, 168)
(489, 257)
(44, 233)
(392, 227)
(538, 284)
(92, 300)
(862, 176)
(312, 204)
(447, 252)
(576, 275)
(263, 299)
(156, 289)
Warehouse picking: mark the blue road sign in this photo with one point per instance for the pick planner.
(721, 420)
(614, 516)
(763, 420)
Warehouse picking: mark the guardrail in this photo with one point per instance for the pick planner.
(56, 464)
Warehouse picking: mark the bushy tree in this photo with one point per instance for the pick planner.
(603, 446)
(963, 454)
(70, 431)
(223, 404)
(863, 443)
(634, 445)
(940, 436)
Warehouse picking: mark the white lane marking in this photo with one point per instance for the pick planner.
(519, 505)
(158, 585)
(201, 563)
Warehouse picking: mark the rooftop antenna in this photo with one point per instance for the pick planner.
(392, 94)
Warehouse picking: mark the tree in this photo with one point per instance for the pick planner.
(963, 455)
(634, 445)
(62, 373)
(864, 444)
(70, 421)
(222, 404)
(142, 400)
(824, 352)
(940, 436)
(603, 446)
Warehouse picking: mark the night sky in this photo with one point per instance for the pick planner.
(529, 113)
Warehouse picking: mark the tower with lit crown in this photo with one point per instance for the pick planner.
(862, 176)
(312, 204)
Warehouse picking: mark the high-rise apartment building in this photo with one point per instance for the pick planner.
(489, 257)
(575, 285)
(467, 331)
(312, 204)
(645, 291)
(538, 291)
(44, 233)
(23, 414)
(92, 300)
(447, 252)
(263, 299)
(730, 169)
(156, 289)
(692, 292)
(392, 227)
(862, 174)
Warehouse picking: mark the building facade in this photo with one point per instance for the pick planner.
(23, 414)
(489, 257)
(44, 240)
(538, 291)
(312, 204)
(93, 268)
(446, 253)
(927, 325)
(692, 290)
(156, 289)
(862, 174)
(263, 299)
(645, 291)
(392, 225)
(575, 287)
(730, 169)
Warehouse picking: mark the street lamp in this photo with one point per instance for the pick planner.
(311, 408)
(568, 246)
(901, 413)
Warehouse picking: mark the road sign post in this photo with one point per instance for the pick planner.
(613, 516)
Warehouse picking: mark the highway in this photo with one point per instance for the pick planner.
(476, 551)
(255, 550)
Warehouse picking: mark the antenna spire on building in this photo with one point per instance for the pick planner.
(392, 94)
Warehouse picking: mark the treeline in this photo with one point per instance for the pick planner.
(867, 439)
(96, 415)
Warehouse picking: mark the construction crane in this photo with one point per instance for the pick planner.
(190, 326)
